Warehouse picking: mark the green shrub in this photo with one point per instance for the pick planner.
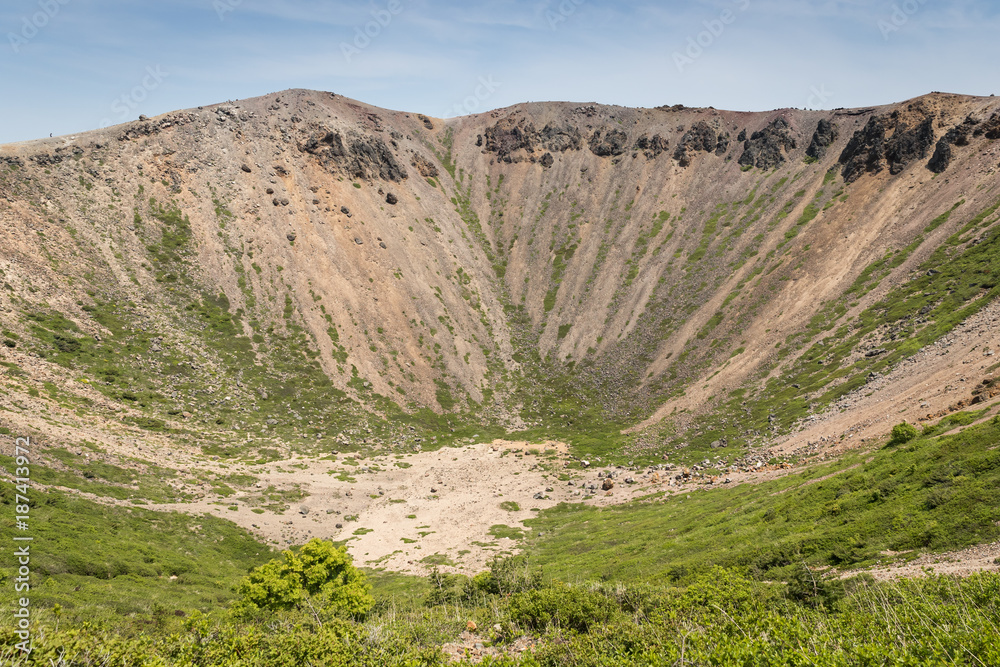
(561, 606)
(319, 575)
(506, 576)
(902, 433)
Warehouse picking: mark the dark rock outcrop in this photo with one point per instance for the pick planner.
(723, 144)
(870, 151)
(360, 157)
(865, 151)
(990, 128)
(424, 166)
(561, 138)
(942, 156)
(908, 144)
(651, 146)
(956, 136)
(547, 160)
(701, 137)
(766, 148)
(510, 135)
(609, 143)
(825, 134)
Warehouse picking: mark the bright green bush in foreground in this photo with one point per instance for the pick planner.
(320, 576)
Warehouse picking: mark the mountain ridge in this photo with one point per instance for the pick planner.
(672, 257)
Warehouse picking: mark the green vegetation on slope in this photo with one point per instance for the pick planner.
(931, 493)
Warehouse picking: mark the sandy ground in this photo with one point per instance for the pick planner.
(397, 512)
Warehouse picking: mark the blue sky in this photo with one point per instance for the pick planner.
(73, 65)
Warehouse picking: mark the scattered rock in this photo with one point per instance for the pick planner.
(245, 167)
(391, 199)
